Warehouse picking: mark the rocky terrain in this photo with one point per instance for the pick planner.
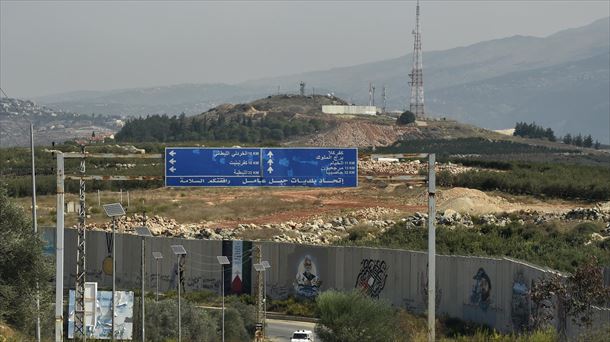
(370, 167)
(369, 221)
(49, 125)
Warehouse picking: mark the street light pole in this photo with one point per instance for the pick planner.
(113, 272)
(113, 210)
(267, 266)
(158, 256)
(143, 232)
(179, 312)
(179, 251)
(223, 260)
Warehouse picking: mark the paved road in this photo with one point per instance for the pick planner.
(280, 330)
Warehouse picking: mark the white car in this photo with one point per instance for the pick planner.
(302, 336)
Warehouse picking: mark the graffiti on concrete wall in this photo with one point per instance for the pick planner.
(481, 290)
(520, 303)
(307, 283)
(423, 290)
(278, 291)
(372, 277)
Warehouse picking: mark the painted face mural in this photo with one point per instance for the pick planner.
(307, 281)
(481, 290)
(520, 303)
(372, 277)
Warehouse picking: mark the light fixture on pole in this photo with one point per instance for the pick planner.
(223, 260)
(113, 210)
(179, 251)
(158, 257)
(144, 232)
(267, 266)
(261, 268)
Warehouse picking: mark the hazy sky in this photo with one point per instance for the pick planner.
(49, 47)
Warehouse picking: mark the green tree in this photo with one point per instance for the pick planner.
(405, 118)
(351, 316)
(22, 266)
(587, 141)
(567, 139)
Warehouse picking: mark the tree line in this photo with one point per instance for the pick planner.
(242, 128)
(523, 129)
(532, 130)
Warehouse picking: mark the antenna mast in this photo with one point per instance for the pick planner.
(417, 81)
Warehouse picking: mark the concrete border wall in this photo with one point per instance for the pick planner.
(493, 291)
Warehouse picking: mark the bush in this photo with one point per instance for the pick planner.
(162, 324)
(351, 316)
(405, 118)
(22, 266)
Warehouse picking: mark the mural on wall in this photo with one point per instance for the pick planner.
(372, 277)
(107, 262)
(238, 274)
(481, 290)
(423, 290)
(178, 272)
(307, 284)
(48, 239)
(520, 303)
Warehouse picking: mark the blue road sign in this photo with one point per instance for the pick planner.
(314, 167)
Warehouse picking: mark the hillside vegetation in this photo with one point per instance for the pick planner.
(275, 118)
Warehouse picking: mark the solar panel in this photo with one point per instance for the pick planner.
(178, 249)
(157, 255)
(259, 267)
(114, 209)
(143, 231)
(266, 264)
(223, 260)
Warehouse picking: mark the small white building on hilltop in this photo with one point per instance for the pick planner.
(351, 110)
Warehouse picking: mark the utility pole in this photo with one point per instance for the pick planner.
(59, 251)
(79, 298)
(431, 247)
(373, 97)
(35, 225)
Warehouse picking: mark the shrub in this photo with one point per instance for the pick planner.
(406, 118)
(350, 316)
(162, 324)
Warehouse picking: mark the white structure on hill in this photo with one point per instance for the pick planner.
(354, 110)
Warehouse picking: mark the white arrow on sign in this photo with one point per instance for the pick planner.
(270, 169)
(270, 154)
(270, 162)
(172, 153)
(172, 161)
(172, 169)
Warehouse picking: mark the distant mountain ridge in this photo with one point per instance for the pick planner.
(560, 80)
